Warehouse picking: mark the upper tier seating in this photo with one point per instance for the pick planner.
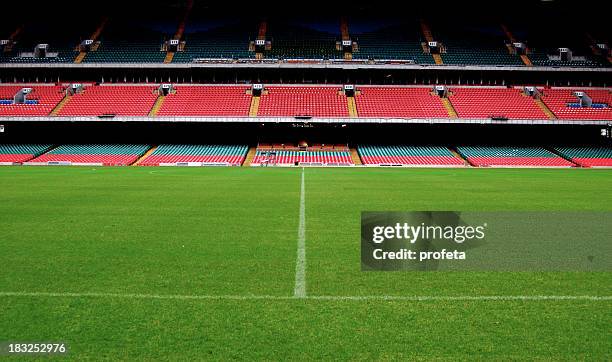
(232, 155)
(494, 102)
(303, 101)
(400, 102)
(62, 41)
(207, 101)
(321, 157)
(397, 42)
(120, 100)
(487, 156)
(41, 101)
(128, 43)
(11, 153)
(588, 156)
(558, 99)
(429, 156)
(299, 42)
(108, 155)
(227, 42)
(474, 46)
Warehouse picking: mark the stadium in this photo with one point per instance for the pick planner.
(188, 179)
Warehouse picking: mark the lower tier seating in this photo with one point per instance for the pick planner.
(284, 157)
(430, 156)
(588, 156)
(230, 155)
(17, 153)
(559, 100)
(40, 102)
(107, 155)
(494, 102)
(225, 101)
(303, 101)
(400, 102)
(487, 156)
(119, 100)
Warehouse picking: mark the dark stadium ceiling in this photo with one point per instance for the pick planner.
(587, 10)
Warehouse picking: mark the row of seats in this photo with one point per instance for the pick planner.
(315, 101)
(231, 155)
(207, 101)
(494, 102)
(489, 156)
(588, 156)
(46, 97)
(293, 157)
(558, 99)
(370, 155)
(111, 100)
(408, 156)
(107, 155)
(17, 153)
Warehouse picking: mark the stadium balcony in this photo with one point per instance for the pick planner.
(190, 100)
(399, 102)
(565, 105)
(106, 155)
(39, 102)
(588, 156)
(308, 101)
(493, 102)
(417, 156)
(109, 100)
(227, 155)
(489, 156)
(18, 153)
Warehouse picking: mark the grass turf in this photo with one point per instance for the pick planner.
(233, 231)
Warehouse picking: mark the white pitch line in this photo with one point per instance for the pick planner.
(414, 298)
(300, 264)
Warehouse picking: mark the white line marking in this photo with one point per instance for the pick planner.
(414, 298)
(300, 263)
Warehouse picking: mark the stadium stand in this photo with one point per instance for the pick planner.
(120, 100)
(475, 46)
(16, 153)
(106, 155)
(424, 156)
(204, 41)
(189, 100)
(485, 102)
(309, 157)
(564, 104)
(128, 42)
(61, 42)
(312, 101)
(228, 155)
(588, 156)
(40, 102)
(388, 42)
(490, 156)
(544, 41)
(407, 102)
(291, 41)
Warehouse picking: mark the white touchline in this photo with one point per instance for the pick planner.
(300, 263)
(413, 298)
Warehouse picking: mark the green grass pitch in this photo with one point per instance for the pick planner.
(200, 263)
